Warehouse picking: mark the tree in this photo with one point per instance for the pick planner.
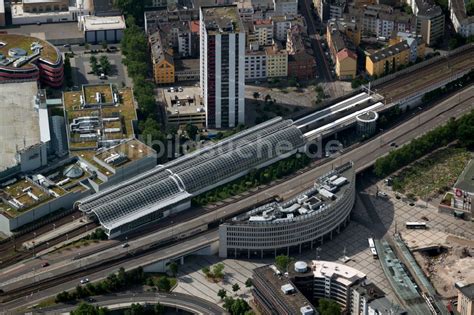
(164, 284)
(87, 309)
(152, 135)
(235, 287)
(248, 282)
(104, 64)
(133, 8)
(222, 293)
(192, 131)
(282, 262)
(80, 292)
(63, 297)
(465, 131)
(239, 307)
(256, 95)
(206, 271)
(328, 307)
(68, 72)
(218, 270)
(135, 309)
(173, 268)
(104, 44)
(87, 46)
(94, 66)
(159, 309)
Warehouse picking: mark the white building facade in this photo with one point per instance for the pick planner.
(222, 66)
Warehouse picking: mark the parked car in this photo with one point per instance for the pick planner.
(84, 281)
(46, 264)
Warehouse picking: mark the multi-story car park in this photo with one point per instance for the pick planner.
(168, 188)
(30, 58)
(294, 225)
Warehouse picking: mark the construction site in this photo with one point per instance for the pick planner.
(447, 260)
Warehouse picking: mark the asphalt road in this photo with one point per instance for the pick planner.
(362, 156)
(131, 263)
(323, 69)
(179, 300)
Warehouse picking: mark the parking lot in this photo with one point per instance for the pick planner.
(82, 72)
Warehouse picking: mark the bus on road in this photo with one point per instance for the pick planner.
(416, 225)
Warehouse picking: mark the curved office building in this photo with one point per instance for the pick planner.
(294, 225)
(29, 58)
(168, 188)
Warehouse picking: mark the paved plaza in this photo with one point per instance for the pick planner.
(352, 242)
(372, 217)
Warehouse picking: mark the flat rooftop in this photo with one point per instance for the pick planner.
(116, 119)
(294, 300)
(23, 194)
(99, 23)
(17, 112)
(326, 190)
(9, 41)
(186, 102)
(222, 19)
(124, 153)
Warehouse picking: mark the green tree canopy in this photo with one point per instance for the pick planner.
(87, 309)
(282, 262)
(328, 307)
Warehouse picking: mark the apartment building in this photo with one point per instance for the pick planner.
(429, 20)
(277, 61)
(285, 7)
(290, 293)
(342, 40)
(222, 68)
(465, 298)
(162, 59)
(282, 23)
(416, 43)
(388, 59)
(301, 62)
(381, 20)
(463, 24)
(255, 64)
(329, 9)
(263, 30)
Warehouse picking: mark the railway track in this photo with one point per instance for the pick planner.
(24, 253)
(406, 85)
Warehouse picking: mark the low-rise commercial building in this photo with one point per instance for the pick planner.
(465, 298)
(463, 24)
(27, 198)
(388, 59)
(48, 11)
(29, 58)
(297, 224)
(98, 29)
(184, 107)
